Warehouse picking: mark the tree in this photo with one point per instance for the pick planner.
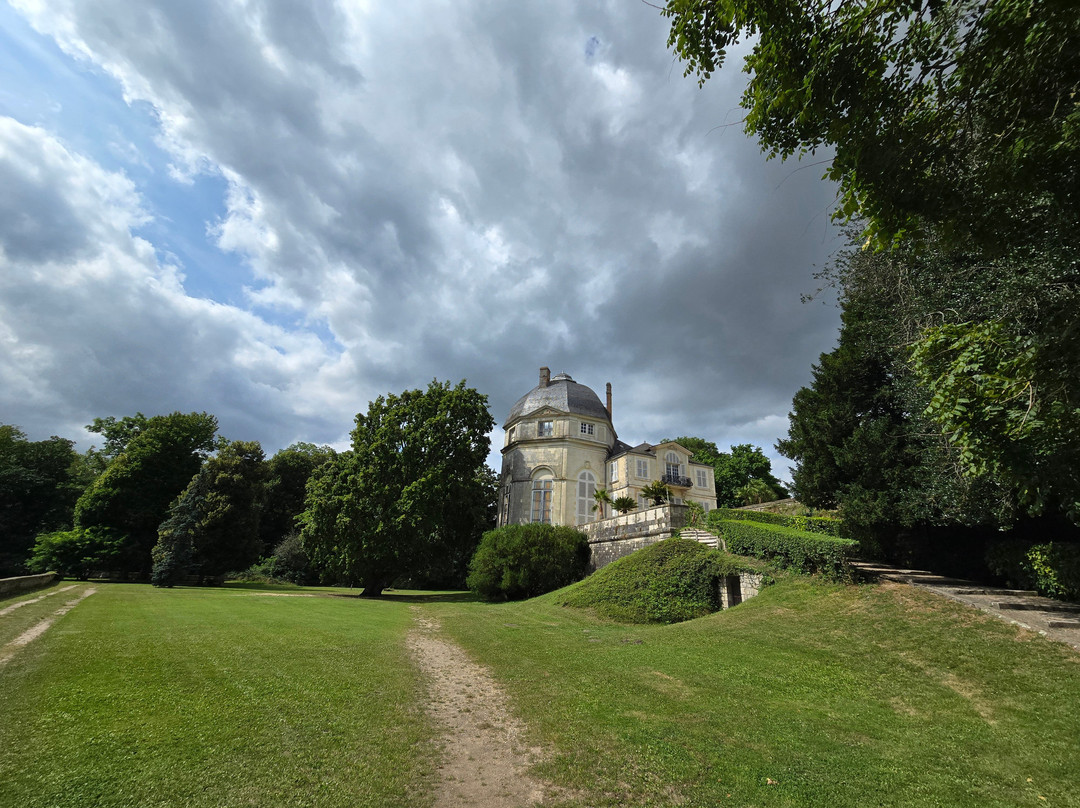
(754, 493)
(867, 433)
(656, 491)
(602, 498)
(213, 526)
(412, 488)
(133, 495)
(959, 116)
(287, 475)
(624, 504)
(118, 433)
(77, 552)
(39, 483)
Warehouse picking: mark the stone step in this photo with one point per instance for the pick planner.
(1027, 593)
(1051, 608)
(1063, 623)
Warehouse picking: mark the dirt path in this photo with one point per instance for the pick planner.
(39, 628)
(21, 603)
(485, 762)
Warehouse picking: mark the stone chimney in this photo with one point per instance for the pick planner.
(609, 400)
(545, 377)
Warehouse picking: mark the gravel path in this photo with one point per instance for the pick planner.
(1054, 619)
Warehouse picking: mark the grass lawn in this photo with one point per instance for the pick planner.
(212, 697)
(807, 695)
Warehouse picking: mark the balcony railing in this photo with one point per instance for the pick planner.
(676, 480)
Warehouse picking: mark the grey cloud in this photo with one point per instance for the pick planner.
(601, 221)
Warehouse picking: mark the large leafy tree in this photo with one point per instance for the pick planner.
(213, 526)
(412, 490)
(39, 483)
(132, 496)
(287, 473)
(956, 115)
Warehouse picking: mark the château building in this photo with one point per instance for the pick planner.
(561, 446)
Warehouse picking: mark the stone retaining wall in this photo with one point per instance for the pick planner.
(24, 583)
(739, 588)
(618, 536)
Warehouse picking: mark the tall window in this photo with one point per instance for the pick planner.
(671, 463)
(545, 429)
(542, 489)
(702, 480)
(615, 471)
(643, 468)
(586, 487)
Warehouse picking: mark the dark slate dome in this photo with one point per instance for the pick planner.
(563, 394)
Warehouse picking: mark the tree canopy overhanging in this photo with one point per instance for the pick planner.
(960, 115)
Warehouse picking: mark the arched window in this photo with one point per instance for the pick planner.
(542, 488)
(586, 487)
(673, 468)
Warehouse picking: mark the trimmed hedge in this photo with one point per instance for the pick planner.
(1052, 569)
(824, 525)
(790, 548)
(667, 582)
(523, 561)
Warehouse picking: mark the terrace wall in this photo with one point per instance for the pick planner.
(24, 583)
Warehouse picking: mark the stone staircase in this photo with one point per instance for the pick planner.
(703, 536)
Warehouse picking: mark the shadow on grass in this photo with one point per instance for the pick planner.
(414, 596)
(389, 595)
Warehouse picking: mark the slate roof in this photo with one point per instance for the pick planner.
(562, 394)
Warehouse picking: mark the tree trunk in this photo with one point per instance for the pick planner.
(373, 588)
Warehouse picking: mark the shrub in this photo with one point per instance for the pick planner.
(793, 549)
(1052, 569)
(810, 524)
(75, 553)
(522, 561)
(667, 582)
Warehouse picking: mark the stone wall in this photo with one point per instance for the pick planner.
(618, 536)
(24, 583)
(739, 588)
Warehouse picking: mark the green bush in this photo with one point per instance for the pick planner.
(667, 582)
(824, 525)
(288, 565)
(523, 561)
(793, 549)
(1052, 569)
(75, 553)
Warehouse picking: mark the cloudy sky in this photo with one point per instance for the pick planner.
(275, 211)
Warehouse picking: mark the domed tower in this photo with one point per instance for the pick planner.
(558, 438)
